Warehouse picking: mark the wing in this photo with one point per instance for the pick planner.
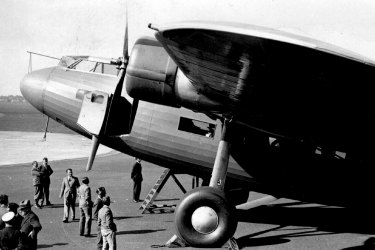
(275, 81)
(226, 59)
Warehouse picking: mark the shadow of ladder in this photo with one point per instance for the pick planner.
(147, 202)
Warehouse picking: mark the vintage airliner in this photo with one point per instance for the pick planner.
(242, 106)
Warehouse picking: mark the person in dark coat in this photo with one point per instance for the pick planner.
(98, 204)
(17, 220)
(136, 175)
(46, 181)
(37, 175)
(69, 187)
(30, 226)
(9, 236)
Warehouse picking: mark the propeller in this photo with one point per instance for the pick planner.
(123, 63)
(126, 58)
(121, 76)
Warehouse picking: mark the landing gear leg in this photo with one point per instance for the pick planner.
(204, 217)
(219, 171)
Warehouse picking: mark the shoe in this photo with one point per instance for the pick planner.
(65, 221)
(87, 235)
(37, 206)
(49, 204)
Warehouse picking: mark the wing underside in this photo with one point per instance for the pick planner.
(275, 81)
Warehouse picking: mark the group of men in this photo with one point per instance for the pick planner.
(19, 225)
(106, 228)
(41, 182)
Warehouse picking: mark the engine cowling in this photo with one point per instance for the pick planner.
(153, 76)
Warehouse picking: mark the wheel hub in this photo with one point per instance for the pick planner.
(204, 220)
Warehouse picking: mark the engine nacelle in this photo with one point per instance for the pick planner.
(153, 76)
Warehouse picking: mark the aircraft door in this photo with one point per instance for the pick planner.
(93, 112)
(99, 117)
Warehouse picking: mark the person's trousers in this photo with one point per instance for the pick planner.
(46, 192)
(38, 193)
(69, 207)
(136, 190)
(99, 238)
(109, 241)
(85, 220)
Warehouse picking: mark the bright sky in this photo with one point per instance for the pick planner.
(96, 27)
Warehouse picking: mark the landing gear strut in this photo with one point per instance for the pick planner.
(204, 217)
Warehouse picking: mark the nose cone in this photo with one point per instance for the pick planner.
(32, 87)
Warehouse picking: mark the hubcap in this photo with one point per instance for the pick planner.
(204, 220)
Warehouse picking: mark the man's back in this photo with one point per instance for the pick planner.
(105, 219)
(84, 195)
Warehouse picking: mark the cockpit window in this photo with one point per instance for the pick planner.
(89, 64)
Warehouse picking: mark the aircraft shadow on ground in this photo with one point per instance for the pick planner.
(367, 245)
(56, 206)
(138, 231)
(311, 221)
(126, 217)
(52, 245)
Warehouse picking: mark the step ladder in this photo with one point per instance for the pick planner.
(147, 202)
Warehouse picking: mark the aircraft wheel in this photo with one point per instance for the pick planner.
(204, 218)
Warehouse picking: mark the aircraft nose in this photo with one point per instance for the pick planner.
(33, 85)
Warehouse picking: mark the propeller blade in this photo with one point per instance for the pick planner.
(115, 98)
(121, 75)
(125, 52)
(94, 149)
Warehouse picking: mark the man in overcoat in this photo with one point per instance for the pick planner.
(30, 226)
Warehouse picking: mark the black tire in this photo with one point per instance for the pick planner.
(215, 199)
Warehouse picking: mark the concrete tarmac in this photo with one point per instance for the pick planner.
(25, 147)
(285, 224)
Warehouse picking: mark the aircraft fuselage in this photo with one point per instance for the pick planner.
(155, 135)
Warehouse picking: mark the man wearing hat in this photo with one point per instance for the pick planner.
(30, 226)
(9, 236)
(85, 207)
